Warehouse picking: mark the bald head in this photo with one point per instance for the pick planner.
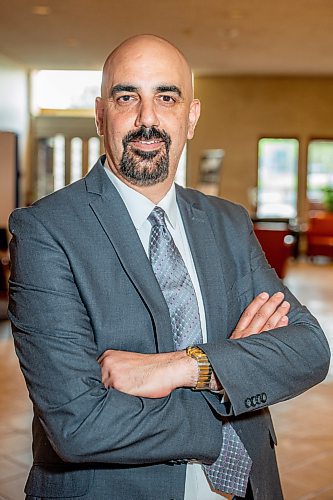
(146, 112)
(147, 49)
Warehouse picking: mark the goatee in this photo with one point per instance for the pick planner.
(145, 168)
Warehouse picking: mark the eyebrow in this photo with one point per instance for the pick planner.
(123, 88)
(131, 88)
(169, 88)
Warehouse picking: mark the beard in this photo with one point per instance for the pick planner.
(145, 168)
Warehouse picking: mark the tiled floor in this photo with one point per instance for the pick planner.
(15, 422)
(304, 425)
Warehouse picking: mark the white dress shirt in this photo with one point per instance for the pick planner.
(139, 208)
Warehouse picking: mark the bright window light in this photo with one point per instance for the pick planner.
(181, 170)
(76, 159)
(277, 178)
(94, 146)
(58, 163)
(320, 169)
(65, 89)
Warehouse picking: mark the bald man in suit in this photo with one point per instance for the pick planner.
(116, 413)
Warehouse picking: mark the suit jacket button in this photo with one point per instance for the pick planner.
(263, 397)
(258, 399)
(248, 403)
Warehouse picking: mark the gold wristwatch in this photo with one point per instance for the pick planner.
(204, 367)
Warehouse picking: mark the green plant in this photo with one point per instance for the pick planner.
(328, 198)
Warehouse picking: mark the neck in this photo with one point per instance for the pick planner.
(154, 193)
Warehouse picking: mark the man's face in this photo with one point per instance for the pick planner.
(146, 112)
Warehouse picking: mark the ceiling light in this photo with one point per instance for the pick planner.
(41, 10)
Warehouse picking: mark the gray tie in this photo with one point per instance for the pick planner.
(175, 282)
(230, 472)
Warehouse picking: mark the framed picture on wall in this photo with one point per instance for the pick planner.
(210, 171)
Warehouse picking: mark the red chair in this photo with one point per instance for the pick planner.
(277, 242)
(320, 234)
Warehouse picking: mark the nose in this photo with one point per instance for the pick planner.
(147, 116)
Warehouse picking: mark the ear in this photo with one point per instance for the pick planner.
(99, 115)
(193, 117)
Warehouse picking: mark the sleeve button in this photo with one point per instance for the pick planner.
(263, 397)
(248, 403)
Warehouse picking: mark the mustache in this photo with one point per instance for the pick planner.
(146, 134)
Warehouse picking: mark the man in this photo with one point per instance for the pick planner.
(108, 291)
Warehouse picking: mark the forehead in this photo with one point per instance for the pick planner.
(148, 67)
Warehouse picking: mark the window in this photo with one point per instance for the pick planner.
(94, 147)
(180, 177)
(320, 171)
(62, 159)
(76, 159)
(277, 178)
(64, 90)
(58, 167)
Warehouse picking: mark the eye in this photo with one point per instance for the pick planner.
(167, 99)
(126, 98)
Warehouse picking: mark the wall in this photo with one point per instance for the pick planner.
(14, 113)
(8, 154)
(237, 111)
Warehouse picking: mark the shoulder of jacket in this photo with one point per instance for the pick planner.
(51, 204)
(210, 202)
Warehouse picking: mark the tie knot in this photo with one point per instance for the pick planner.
(157, 217)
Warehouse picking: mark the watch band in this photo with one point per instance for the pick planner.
(204, 367)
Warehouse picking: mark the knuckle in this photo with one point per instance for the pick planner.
(247, 313)
(106, 362)
(260, 315)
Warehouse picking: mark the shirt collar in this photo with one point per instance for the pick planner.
(139, 206)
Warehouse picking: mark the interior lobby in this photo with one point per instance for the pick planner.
(263, 72)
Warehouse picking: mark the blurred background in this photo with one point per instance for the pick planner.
(263, 71)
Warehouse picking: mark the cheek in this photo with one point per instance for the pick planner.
(114, 134)
(178, 136)
(118, 125)
(113, 143)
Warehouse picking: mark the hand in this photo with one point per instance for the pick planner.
(147, 375)
(263, 314)
(215, 384)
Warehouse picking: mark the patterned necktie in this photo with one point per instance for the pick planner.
(175, 282)
(230, 472)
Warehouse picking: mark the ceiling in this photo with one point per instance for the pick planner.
(228, 37)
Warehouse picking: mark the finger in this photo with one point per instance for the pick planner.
(263, 314)
(284, 321)
(251, 310)
(105, 378)
(275, 318)
(104, 355)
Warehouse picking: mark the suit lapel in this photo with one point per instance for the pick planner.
(113, 216)
(206, 257)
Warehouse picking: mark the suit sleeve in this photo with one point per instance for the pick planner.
(55, 344)
(264, 369)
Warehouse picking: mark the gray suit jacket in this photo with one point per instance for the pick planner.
(81, 283)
